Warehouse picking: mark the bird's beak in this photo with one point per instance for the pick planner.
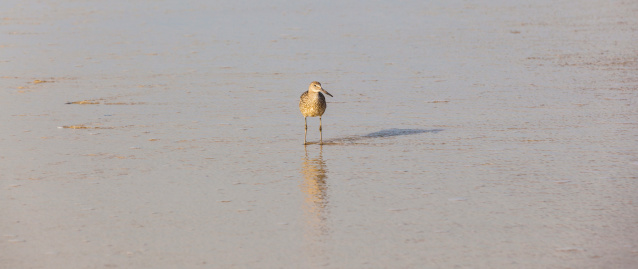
(324, 91)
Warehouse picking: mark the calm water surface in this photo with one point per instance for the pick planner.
(460, 135)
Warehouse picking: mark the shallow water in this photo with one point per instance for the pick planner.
(162, 135)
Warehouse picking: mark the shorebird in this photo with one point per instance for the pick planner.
(312, 104)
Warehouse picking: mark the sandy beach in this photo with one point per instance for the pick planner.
(167, 134)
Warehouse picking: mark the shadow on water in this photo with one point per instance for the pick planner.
(380, 134)
(398, 132)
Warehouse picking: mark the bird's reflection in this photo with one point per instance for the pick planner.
(315, 189)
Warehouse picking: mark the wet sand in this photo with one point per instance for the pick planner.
(167, 135)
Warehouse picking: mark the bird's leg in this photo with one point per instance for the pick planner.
(306, 131)
(320, 132)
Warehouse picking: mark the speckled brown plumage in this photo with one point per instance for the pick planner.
(312, 103)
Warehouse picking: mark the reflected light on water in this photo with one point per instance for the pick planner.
(315, 207)
(315, 189)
